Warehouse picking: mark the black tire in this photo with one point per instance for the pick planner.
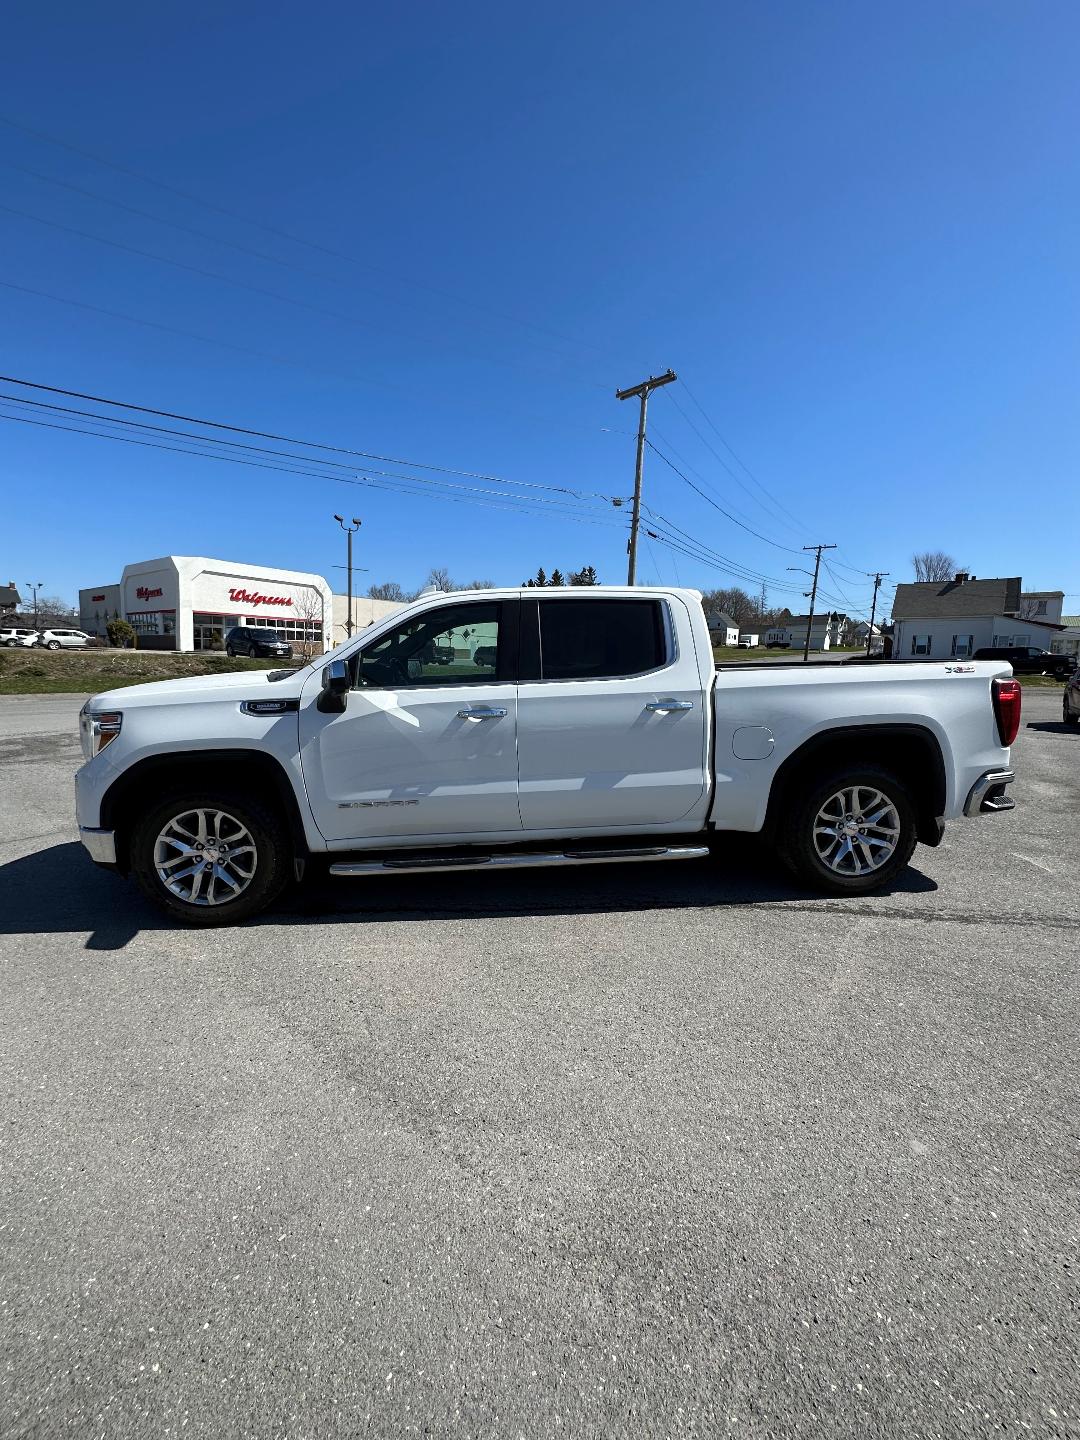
(230, 652)
(1068, 716)
(53, 645)
(267, 830)
(796, 832)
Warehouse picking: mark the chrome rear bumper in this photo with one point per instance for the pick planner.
(988, 796)
(100, 845)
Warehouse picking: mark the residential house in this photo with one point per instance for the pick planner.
(1067, 641)
(828, 630)
(959, 616)
(723, 630)
(1042, 605)
(10, 599)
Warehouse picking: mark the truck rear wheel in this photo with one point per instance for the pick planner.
(851, 832)
(210, 858)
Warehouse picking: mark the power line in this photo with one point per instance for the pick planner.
(766, 492)
(194, 335)
(731, 473)
(286, 439)
(720, 494)
(491, 499)
(65, 410)
(735, 568)
(287, 235)
(198, 270)
(206, 235)
(709, 500)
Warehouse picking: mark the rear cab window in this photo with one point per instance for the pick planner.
(601, 639)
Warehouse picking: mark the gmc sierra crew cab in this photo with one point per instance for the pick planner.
(510, 728)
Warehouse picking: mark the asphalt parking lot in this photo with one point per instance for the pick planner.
(646, 1151)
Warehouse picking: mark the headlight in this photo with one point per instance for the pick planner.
(97, 728)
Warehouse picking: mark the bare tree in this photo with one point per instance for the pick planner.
(439, 579)
(308, 608)
(732, 601)
(1030, 610)
(388, 590)
(933, 565)
(479, 585)
(51, 611)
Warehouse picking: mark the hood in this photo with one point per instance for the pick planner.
(194, 689)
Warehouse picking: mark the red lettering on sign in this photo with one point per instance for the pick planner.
(95, 598)
(143, 593)
(254, 597)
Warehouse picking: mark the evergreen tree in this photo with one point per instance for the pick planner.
(556, 578)
(586, 576)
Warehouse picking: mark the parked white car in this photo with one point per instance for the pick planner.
(64, 639)
(18, 635)
(595, 728)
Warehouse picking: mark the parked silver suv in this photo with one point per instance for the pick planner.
(18, 635)
(64, 639)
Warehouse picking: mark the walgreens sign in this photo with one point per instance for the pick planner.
(143, 592)
(255, 597)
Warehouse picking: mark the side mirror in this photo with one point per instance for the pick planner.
(336, 685)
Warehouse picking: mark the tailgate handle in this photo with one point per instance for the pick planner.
(665, 705)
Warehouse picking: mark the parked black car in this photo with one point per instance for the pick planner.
(255, 641)
(1028, 660)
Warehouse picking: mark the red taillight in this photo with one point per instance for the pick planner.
(1007, 696)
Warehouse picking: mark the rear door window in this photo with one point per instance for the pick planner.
(601, 639)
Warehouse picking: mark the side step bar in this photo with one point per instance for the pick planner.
(412, 865)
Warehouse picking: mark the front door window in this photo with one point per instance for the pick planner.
(454, 645)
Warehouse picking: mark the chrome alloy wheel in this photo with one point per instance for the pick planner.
(856, 831)
(205, 857)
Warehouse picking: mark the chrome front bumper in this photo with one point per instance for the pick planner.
(987, 796)
(100, 845)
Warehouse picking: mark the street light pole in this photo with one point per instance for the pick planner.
(350, 530)
(35, 588)
(643, 390)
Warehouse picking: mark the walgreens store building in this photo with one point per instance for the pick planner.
(190, 602)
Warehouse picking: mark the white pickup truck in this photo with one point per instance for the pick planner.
(523, 728)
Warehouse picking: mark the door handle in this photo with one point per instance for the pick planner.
(482, 712)
(662, 706)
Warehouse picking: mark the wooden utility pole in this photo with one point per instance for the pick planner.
(878, 577)
(653, 383)
(813, 594)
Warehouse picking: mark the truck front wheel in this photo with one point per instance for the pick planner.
(210, 858)
(851, 832)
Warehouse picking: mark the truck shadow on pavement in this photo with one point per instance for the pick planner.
(58, 891)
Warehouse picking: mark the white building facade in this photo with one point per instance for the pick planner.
(190, 602)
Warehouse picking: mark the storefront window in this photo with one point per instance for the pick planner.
(145, 622)
(209, 631)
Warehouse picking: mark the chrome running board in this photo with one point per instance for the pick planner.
(412, 865)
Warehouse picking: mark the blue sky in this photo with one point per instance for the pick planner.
(851, 229)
